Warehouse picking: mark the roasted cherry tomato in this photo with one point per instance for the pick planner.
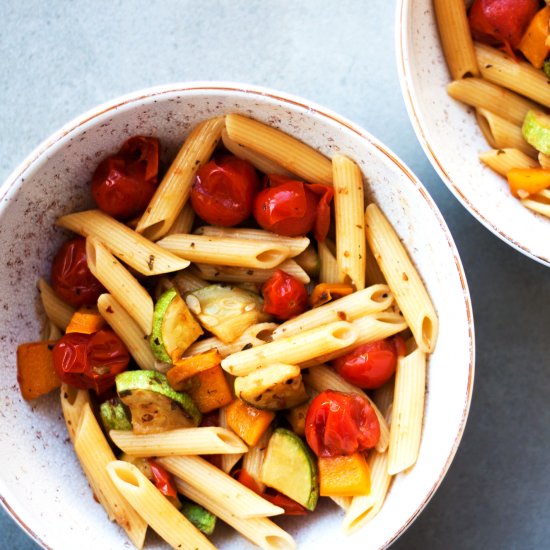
(370, 365)
(224, 191)
(284, 296)
(162, 479)
(341, 424)
(501, 21)
(124, 183)
(90, 361)
(293, 208)
(71, 276)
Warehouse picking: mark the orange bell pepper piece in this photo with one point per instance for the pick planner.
(533, 42)
(86, 320)
(527, 181)
(35, 370)
(248, 422)
(209, 389)
(344, 476)
(325, 292)
(189, 366)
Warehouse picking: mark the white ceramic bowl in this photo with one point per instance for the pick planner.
(41, 483)
(449, 134)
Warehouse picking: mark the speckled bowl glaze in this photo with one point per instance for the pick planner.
(41, 483)
(448, 132)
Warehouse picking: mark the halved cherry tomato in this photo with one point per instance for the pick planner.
(124, 183)
(162, 479)
(284, 296)
(224, 191)
(341, 424)
(370, 365)
(293, 208)
(503, 22)
(71, 276)
(90, 361)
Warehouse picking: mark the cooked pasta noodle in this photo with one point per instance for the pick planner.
(57, 311)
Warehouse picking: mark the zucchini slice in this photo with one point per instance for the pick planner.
(201, 518)
(275, 387)
(115, 415)
(174, 328)
(536, 130)
(154, 405)
(289, 467)
(226, 311)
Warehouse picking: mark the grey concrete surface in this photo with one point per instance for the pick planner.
(58, 59)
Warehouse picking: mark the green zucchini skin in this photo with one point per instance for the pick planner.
(115, 415)
(201, 518)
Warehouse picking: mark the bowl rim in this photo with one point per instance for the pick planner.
(225, 86)
(402, 16)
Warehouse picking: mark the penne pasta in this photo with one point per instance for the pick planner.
(343, 502)
(220, 487)
(94, 454)
(155, 508)
(50, 331)
(373, 299)
(254, 459)
(72, 405)
(456, 40)
(288, 152)
(121, 284)
(349, 220)
(173, 191)
(184, 221)
(408, 411)
(227, 460)
(134, 338)
(57, 311)
(539, 202)
(128, 246)
(183, 441)
(187, 281)
(329, 271)
(298, 348)
(544, 161)
(403, 278)
(503, 160)
(373, 275)
(226, 251)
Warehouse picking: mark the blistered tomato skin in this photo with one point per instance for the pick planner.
(71, 277)
(90, 361)
(124, 183)
(224, 191)
(284, 296)
(341, 424)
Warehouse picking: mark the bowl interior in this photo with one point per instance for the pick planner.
(451, 138)
(41, 481)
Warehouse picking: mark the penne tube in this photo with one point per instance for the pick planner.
(539, 202)
(123, 286)
(480, 93)
(187, 281)
(349, 204)
(322, 378)
(288, 152)
(403, 279)
(343, 502)
(231, 274)
(296, 349)
(228, 461)
(456, 40)
(57, 311)
(260, 531)
(261, 163)
(155, 508)
(329, 271)
(544, 161)
(173, 191)
(408, 412)
(218, 485)
(503, 160)
(134, 338)
(295, 245)
(184, 221)
(95, 454)
(128, 246)
(518, 76)
(253, 460)
(72, 405)
(372, 299)
(255, 335)
(373, 275)
(226, 251)
(183, 441)
(50, 331)
(501, 133)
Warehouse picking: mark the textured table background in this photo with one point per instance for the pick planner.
(59, 59)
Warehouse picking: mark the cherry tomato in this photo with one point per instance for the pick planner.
(370, 365)
(284, 296)
(341, 424)
(162, 479)
(293, 208)
(71, 276)
(501, 21)
(90, 361)
(124, 183)
(224, 191)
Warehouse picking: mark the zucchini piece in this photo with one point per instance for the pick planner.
(115, 415)
(154, 405)
(201, 518)
(289, 467)
(174, 328)
(226, 311)
(536, 130)
(275, 387)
